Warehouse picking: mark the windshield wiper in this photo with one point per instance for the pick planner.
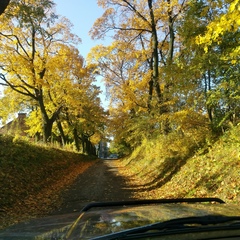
(173, 224)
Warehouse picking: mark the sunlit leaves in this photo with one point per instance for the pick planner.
(41, 64)
(133, 67)
(227, 22)
(34, 122)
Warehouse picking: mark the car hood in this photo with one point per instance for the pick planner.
(98, 222)
(101, 221)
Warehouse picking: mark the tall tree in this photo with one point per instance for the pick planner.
(150, 26)
(82, 116)
(30, 37)
(137, 66)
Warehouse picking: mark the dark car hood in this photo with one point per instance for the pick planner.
(98, 221)
(40, 228)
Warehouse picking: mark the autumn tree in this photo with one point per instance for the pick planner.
(137, 66)
(223, 31)
(172, 66)
(213, 65)
(146, 29)
(31, 35)
(82, 116)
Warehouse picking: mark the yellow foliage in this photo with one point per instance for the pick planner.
(228, 22)
(96, 138)
(34, 122)
(45, 71)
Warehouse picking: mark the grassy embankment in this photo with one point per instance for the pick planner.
(178, 167)
(31, 177)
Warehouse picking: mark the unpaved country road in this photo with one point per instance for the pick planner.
(100, 182)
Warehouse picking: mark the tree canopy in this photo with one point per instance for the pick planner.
(42, 68)
(172, 66)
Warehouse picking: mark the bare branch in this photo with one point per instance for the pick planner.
(132, 8)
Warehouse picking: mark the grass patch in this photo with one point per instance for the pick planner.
(31, 177)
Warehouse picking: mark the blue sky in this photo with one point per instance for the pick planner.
(82, 14)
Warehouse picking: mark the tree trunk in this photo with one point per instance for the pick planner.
(47, 131)
(84, 149)
(76, 139)
(171, 35)
(169, 83)
(207, 80)
(90, 149)
(3, 5)
(155, 58)
(47, 123)
(63, 137)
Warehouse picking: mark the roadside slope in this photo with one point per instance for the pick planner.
(161, 172)
(32, 176)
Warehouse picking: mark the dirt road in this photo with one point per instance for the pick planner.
(100, 182)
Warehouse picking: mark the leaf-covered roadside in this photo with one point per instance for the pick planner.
(172, 169)
(32, 176)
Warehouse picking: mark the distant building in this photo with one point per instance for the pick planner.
(16, 127)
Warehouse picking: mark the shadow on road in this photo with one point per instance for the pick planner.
(167, 170)
(100, 182)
